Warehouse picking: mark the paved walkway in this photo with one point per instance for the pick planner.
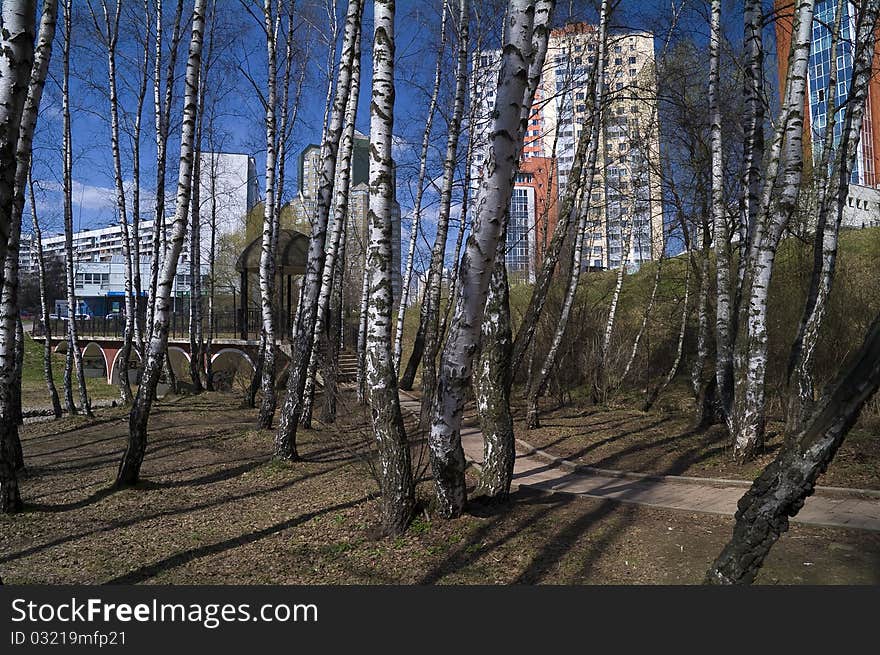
(829, 506)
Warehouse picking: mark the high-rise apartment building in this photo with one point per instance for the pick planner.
(626, 205)
(357, 225)
(228, 189)
(867, 166)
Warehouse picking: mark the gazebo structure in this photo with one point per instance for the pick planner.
(290, 261)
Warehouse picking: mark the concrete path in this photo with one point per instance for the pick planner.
(829, 506)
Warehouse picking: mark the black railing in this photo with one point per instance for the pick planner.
(227, 325)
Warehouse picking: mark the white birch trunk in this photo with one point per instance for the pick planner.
(652, 396)
(110, 35)
(645, 318)
(9, 310)
(129, 467)
(438, 254)
(492, 386)
(44, 307)
(832, 201)
(135, 248)
(720, 231)
(267, 252)
(778, 203)
(16, 60)
(420, 189)
(67, 147)
(395, 474)
(340, 214)
(162, 115)
(584, 206)
(285, 437)
(11, 338)
(447, 456)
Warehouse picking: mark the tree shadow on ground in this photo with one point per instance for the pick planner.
(148, 571)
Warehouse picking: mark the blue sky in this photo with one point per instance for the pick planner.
(239, 123)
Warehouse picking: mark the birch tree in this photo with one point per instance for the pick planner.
(730, 298)
(25, 64)
(44, 305)
(109, 34)
(11, 338)
(398, 492)
(720, 231)
(652, 395)
(16, 59)
(778, 200)
(646, 315)
(583, 211)
(780, 490)
(832, 198)
(267, 254)
(567, 214)
(600, 391)
(525, 20)
(492, 386)
(74, 353)
(417, 205)
(337, 233)
(285, 438)
(143, 76)
(162, 117)
(431, 302)
(129, 467)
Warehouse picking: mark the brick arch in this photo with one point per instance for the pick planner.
(112, 374)
(88, 348)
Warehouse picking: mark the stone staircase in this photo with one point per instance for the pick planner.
(347, 368)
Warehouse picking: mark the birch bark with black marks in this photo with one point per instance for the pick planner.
(417, 211)
(525, 20)
(492, 386)
(778, 202)
(720, 230)
(67, 148)
(212, 284)
(646, 315)
(196, 341)
(362, 341)
(652, 395)
(129, 467)
(832, 198)
(11, 334)
(44, 306)
(780, 490)
(109, 34)
(600, 392)
(285, 437)
(162, 115)
(267, 252)
(462, 227)
(337, 232)
(753, 155)
(398, 492)
(567, 215)
(16, 61)
(135, 247)
(438, 254)
(703, 380)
